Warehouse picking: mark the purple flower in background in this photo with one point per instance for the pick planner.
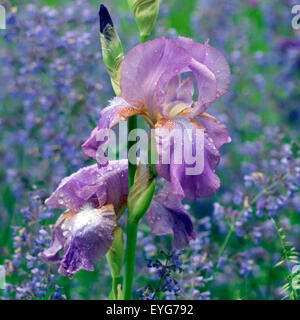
(152, 85)
(287, 43)
(94, 198)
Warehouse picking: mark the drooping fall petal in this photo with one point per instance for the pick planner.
(215, 129)
(201, 182)
(167, 215)
(83, 238)
(118, 110)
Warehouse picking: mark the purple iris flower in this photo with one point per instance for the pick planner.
(152, 86)
(94, 199)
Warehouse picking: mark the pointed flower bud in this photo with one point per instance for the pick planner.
(111, 45)
(145, 13)
(105, 18)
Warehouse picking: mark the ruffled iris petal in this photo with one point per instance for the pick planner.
(148, 69)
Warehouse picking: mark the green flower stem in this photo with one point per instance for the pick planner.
(132, 229)
(132, 124)
(132, 226)
(143, 38)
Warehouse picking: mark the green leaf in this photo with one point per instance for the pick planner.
(8, 199)
(115, 255)
(294, 261)
(279, 263)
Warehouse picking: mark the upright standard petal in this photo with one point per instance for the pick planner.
(97, 186)
(213, 59)
(167, 215)
(82, 238)
(147, 69)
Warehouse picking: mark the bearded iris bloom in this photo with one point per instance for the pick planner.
(94, 199)
(152, 86)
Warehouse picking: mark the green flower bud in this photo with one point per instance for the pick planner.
(112, 50)
(141, 193)
(145, 13)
